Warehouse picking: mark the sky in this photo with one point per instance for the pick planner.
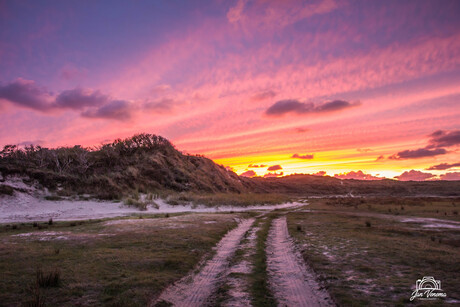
(355, 89)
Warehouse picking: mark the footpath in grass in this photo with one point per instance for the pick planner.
(120, 262)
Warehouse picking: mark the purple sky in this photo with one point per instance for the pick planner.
(357, 85)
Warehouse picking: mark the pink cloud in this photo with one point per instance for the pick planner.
(265, 15)
(443, 166)
(304, 157)
(414, 175)
(320, 173)
(364, 150)
(249, 173)
(256, 165)
(450, 176)
(26, 93)
(274, 167)
(263, 96)
(272, 175)
(70, 72)
(359, 175)
(79, 98)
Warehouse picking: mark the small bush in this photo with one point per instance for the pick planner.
(38, 299)
(47, 280)
(455, 212)
(50, 222)
(136, 203)
(167, 215)
(14, 227)
(299, 228)
(56, 251)
(151, 203)
(73, 224)
(368, 224)
(34, 224)
(53, 197)
(172, 202)
(6, 190)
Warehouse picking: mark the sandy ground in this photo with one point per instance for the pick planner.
(25, 207)
(425, 222)
(195, 290)
(59, 235)
(238, 293)
(292, 283)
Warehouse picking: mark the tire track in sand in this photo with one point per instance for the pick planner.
(237, 277)
(196, 289)
(292, 282)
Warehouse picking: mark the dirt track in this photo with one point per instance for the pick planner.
(195, 290)
(291, 281)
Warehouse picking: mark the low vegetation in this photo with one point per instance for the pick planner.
(143, 163)
(48, 279)
(227, 199)
(116, 262)
(432, 207)
(301, 184)
(364, 256)
(147, 163)
(6, 190)
(260, 292)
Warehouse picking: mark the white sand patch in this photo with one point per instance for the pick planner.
(17, 182)
(424, 222)
(23, 207)
(57, 235)
(432, 222)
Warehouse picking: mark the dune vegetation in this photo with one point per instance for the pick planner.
(143, 167)
(143, 163)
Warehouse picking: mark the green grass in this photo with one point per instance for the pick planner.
(260, 292)
(366, 260)
(125, 266)
(227, 199)
(434, 207)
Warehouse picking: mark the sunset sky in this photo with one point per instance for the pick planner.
(264, 87)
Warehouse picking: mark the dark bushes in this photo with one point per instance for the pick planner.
(115, 170)
(6, 190)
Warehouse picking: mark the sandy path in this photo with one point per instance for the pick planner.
(195, 290)
(237, 275)
(292, 283)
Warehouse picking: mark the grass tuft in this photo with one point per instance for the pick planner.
(261, 294)
(47, 280)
